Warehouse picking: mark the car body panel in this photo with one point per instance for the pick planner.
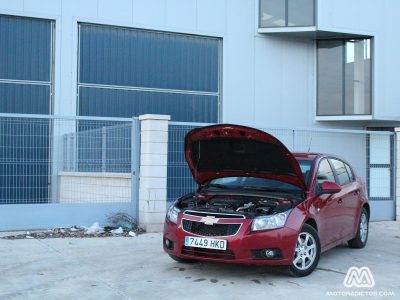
(227, 150)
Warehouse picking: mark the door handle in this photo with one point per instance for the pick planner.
(340, 201)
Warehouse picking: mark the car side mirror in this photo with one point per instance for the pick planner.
(329, 187)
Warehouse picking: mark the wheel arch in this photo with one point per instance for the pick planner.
(368, 208)
(310, 221)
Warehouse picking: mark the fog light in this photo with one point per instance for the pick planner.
(168, 244)
(269, 253)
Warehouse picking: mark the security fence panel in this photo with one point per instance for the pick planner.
(24, 161)
(64, 171)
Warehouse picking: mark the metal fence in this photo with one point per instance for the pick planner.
(97, 146)
(179, 178)
(60, 170)
(73, 161)
(371, 153)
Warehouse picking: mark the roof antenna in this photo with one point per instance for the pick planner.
(309, 145)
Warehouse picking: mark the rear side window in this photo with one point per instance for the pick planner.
(325, 172)
(350, 172)
(341, 171)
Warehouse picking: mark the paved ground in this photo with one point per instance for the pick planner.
(137, 268)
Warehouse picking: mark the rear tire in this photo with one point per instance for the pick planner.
(182, 260)
(307, 252)
(361, 238)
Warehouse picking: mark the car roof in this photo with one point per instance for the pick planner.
(315, 155)
(307, 155)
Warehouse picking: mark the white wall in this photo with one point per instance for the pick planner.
(267, 81)
(84, 187)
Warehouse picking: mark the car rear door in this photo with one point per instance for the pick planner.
(349, 196)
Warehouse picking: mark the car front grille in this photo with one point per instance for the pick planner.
(199, 228)
(216, 215)
(211, 253)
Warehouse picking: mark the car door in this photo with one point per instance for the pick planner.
(349, 196)
(326, 205)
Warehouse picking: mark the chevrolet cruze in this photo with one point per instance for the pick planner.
(258, 203)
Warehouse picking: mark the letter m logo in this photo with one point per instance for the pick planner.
(359, 277)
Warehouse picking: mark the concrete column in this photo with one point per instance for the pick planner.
(397, 165)
(153, 171)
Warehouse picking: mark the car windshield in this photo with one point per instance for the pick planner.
(256, 183)
(253, 183)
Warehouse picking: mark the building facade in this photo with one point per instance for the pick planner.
(312, 64)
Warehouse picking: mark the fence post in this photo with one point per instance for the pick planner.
(135, 166)
(397, 171)
(103, 148)
(153, 171)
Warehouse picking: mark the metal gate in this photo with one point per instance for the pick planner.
(64, 171)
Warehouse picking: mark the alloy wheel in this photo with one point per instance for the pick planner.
(363, 228)
(305, 251)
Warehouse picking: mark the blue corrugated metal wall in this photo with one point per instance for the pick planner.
(127, 72)
(25, 55)
(127, 103)
(25, 48)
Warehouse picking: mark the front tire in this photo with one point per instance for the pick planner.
(361, 238)
(307, 252)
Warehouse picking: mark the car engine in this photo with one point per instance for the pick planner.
(250, 206)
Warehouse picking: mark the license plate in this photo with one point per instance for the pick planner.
(191, 241)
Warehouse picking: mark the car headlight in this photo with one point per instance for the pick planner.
(172, 214)
(270, 222)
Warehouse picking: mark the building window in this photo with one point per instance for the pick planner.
(26, 87)
(125, 72)
(287, 13)
(344, 77)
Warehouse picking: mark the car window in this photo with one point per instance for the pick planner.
(325, 172)
(350, 172)
(305, 166)
(341, 171)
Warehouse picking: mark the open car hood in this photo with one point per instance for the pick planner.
(227, 150)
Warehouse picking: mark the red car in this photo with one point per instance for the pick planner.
(258, 203)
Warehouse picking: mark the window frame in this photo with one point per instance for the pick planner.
(287, 16)
(331, 159)
(343, 79)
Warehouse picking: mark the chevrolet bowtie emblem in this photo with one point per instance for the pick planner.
(209, 220)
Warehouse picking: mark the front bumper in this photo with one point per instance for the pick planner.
(241, 246)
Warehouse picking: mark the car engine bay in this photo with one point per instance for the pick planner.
(250, 206)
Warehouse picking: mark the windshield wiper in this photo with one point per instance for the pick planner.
(272, 190)
(260, 188)
(220, 186)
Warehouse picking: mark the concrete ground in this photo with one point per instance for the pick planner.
(137, 268)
